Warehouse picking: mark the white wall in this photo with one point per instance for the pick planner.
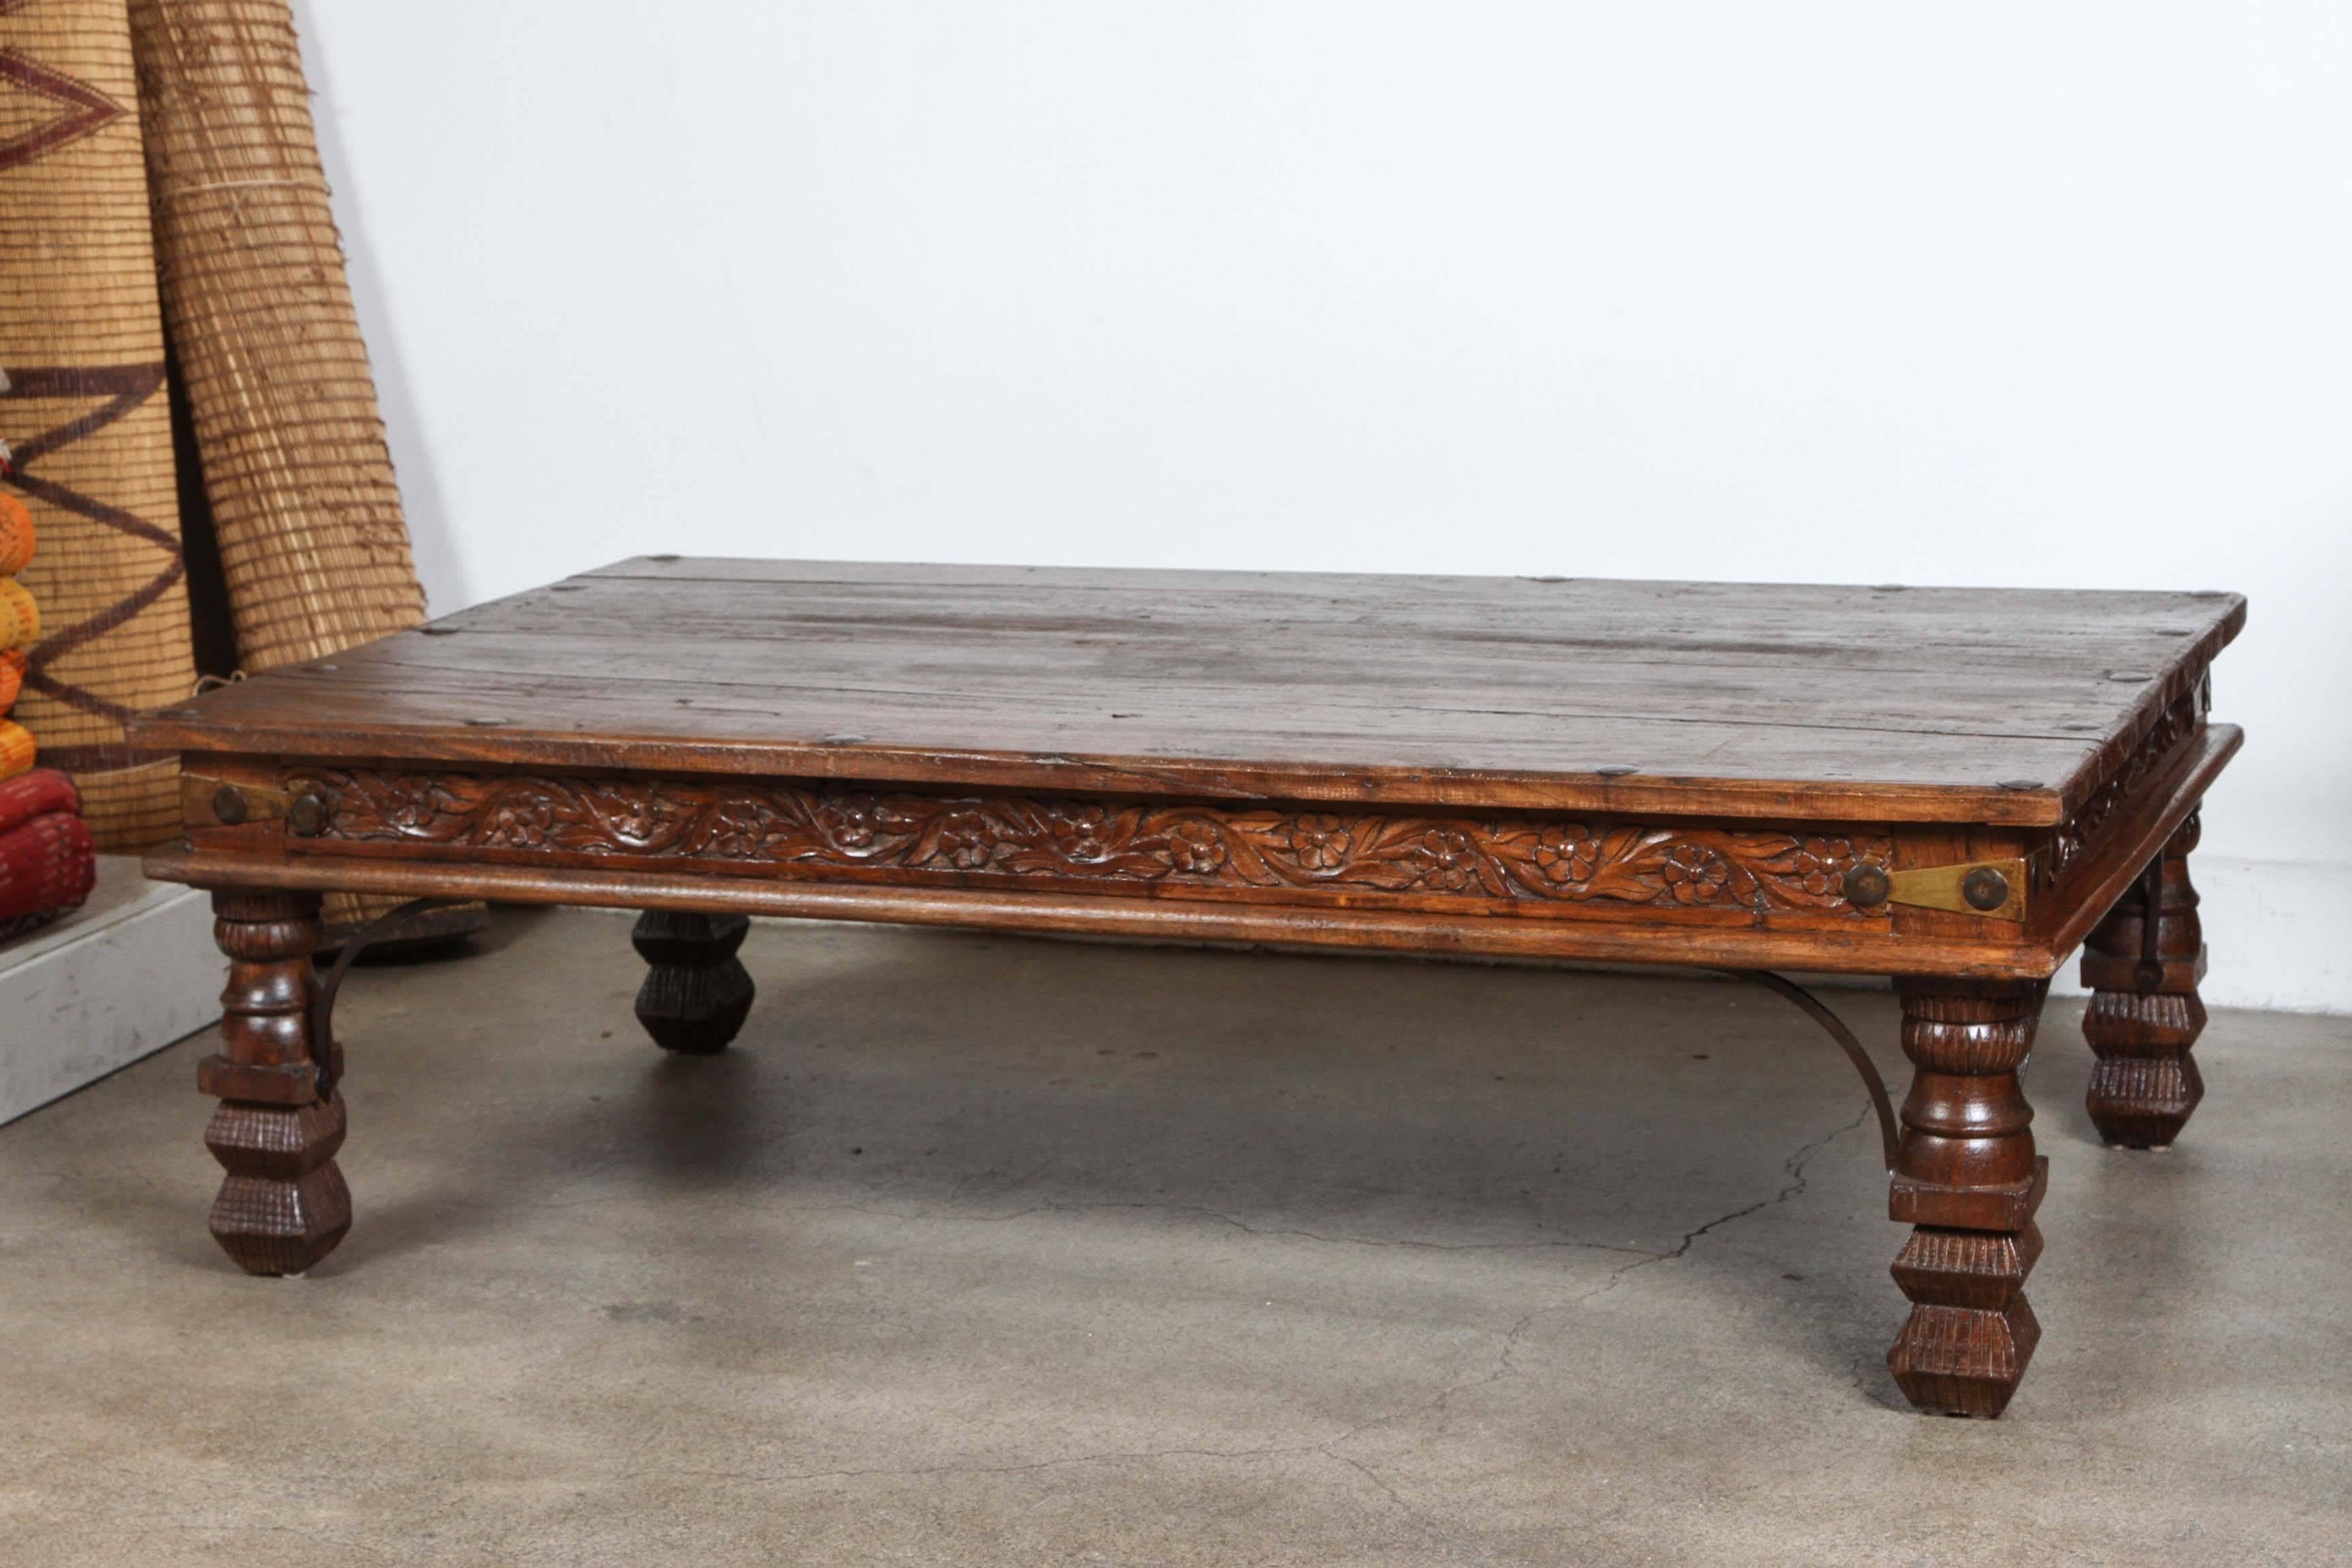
(1999, 293)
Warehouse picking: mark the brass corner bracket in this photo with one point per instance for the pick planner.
(1992, 888)
(206, 801)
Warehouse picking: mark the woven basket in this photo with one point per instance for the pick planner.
(81, 343)
(303, 502)
(304, 506)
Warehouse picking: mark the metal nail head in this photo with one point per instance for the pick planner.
(1985, 889)
(307, 816)
(228, 805)
(1868, 886)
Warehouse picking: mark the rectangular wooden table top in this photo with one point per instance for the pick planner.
(1995, 706)
(1668, 771)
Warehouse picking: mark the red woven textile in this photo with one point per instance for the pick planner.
(46, 859)
(32, 795)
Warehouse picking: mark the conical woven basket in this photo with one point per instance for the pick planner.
(304, 505)
(81, 345)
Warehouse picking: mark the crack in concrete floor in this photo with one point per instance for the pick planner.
(1793, 1167)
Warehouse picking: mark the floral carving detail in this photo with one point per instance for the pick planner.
(1320, 842)
(967, 840)
(2071, 838)
(1446, 859)
(1821, 870)
(519, 821)
(826, 831)
(1567, 853)
(1694, 874)
(1082, 833)
(1197, 848)
(852, 820)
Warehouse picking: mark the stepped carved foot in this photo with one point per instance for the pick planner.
(282, 1205)
(2144, 1012)
(696, 995)
(1966, 1179)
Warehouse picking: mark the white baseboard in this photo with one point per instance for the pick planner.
(129, 972)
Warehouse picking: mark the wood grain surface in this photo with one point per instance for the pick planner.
(1793, 702)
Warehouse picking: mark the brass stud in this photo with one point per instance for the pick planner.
(1985, 889)
(307, 816)
(228, 805)
(1868, 886)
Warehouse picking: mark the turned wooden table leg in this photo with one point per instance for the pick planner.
(282, 1205)
(2145, 1012)
(696, 995)
(1967, 1180)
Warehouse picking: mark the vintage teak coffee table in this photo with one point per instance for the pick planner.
(1952, 787)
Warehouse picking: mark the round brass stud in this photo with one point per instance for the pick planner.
(1868, 886)
(228, 805)
(307, 816)
(1985, 889)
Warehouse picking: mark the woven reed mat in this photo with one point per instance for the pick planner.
(81, 345)
(304, 505)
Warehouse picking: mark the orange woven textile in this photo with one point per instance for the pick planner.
(16, 536)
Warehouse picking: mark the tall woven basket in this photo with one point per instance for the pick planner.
(308, 517)
(84, 413)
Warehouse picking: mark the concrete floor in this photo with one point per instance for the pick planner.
(983, 1250)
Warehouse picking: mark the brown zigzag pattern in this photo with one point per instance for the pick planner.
(87, 109)
(124, 387)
